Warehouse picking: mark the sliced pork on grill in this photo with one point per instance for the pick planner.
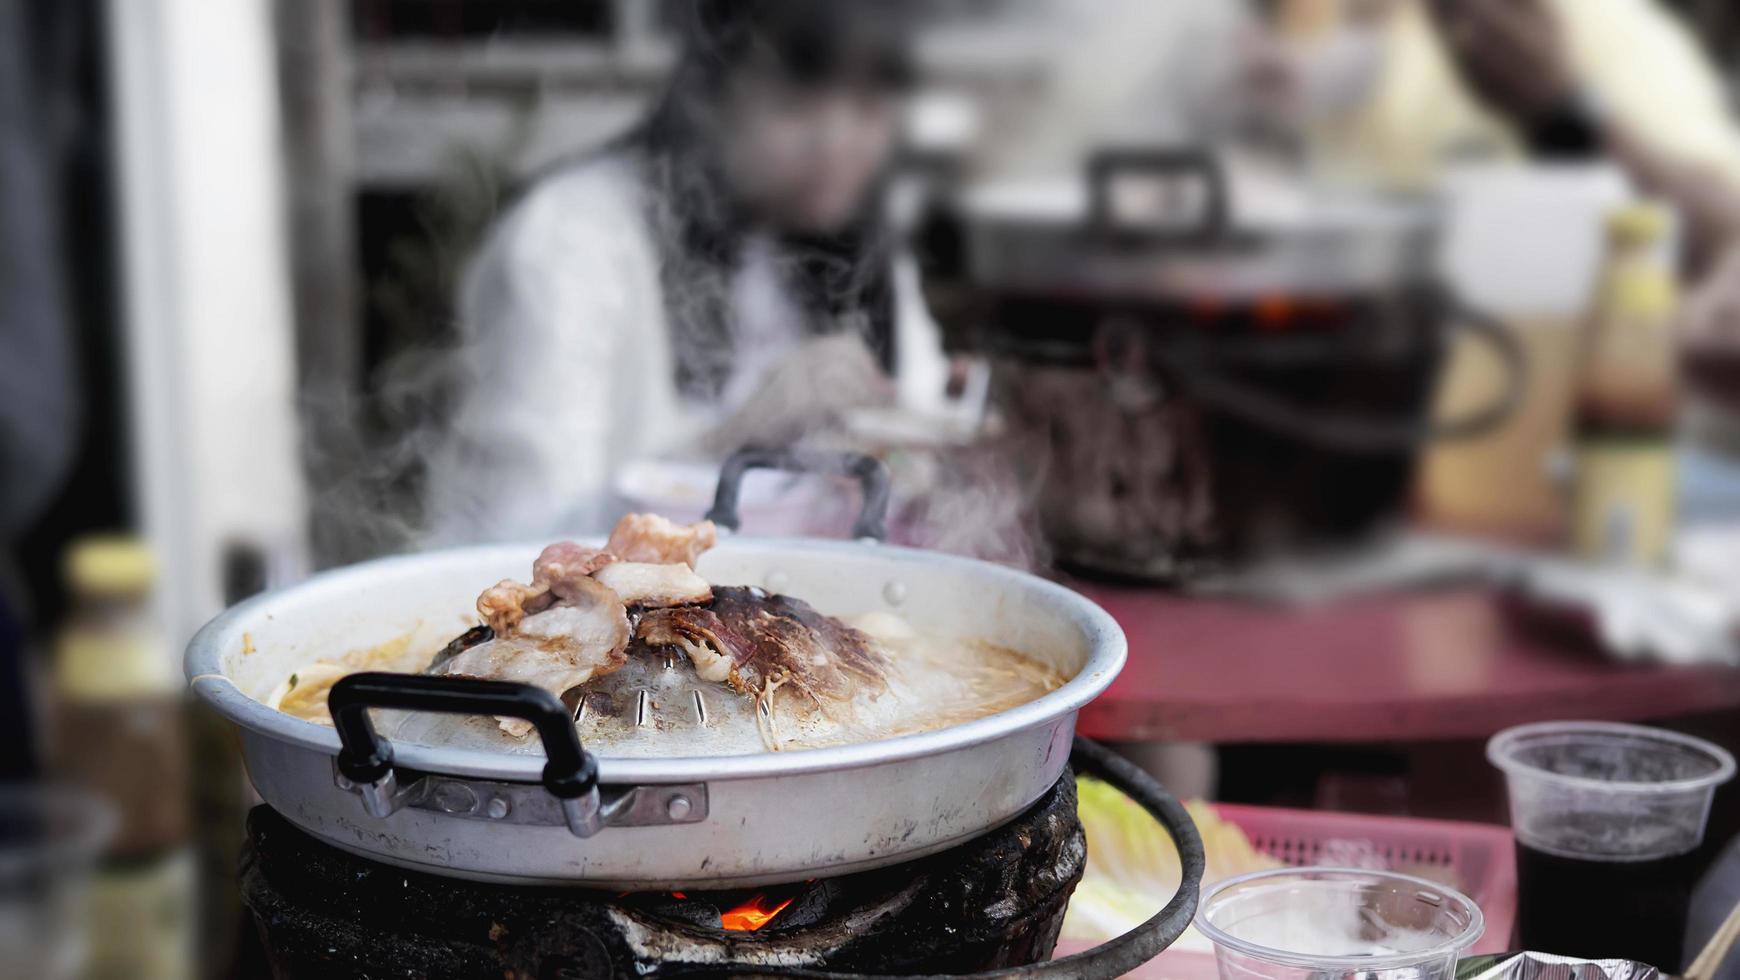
(658, 540)
(571, 624)
(583, 636)
(566, 566)
(574, 623)
(653, 586)
(561, 571)
(759, 643)
(504, 604)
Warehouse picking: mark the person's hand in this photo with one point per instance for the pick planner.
(810, 388)
(1512, 53)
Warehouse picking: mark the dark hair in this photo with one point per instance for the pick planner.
(845, 279)
(808, 42)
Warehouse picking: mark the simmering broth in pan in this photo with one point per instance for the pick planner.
(655, 660)
(932, 683)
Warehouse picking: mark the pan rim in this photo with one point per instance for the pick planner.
(1105, 641)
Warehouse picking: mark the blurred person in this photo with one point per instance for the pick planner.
(1424, 81)
(1431, 80)
(1655, 106)
(724, 275)
(1623, 78)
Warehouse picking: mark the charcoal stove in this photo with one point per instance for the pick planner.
(994, 904)
(1197, 368)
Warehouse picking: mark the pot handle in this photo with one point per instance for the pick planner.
(1172, 165)
(872, 476)
(366, 758)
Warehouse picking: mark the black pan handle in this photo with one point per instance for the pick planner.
(872, 476)
(1179, 166)
(366, 757)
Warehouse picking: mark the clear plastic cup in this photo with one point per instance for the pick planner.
(1322, 923)
(1598, 790)
(50, 839)
(1608, 820)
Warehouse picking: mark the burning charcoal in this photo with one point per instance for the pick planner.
(330, 914)
(678, 907)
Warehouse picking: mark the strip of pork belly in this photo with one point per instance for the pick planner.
(647, 586)
(566, 566)
(554, 576)
(504, 604)
(558, 649)
(657, 540)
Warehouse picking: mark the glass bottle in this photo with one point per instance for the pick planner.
(1623, 490)
(120, 731)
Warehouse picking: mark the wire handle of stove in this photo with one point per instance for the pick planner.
(366, 757)
(872, 477)
(1113, 958)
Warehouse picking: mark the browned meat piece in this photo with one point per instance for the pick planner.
(568, 626)
(657, 540)
(755, 641)
(554, 576)
(505, 603)
(560, 566)
(651, 586)
(585, 636)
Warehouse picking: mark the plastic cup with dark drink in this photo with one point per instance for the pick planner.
(1608, 820)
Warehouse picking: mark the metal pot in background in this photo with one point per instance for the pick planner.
(1196, 375)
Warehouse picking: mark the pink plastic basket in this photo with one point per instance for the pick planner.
(1479, 860)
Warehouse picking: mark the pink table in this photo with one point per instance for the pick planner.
(1413, 668)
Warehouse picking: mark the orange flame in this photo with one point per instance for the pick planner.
(753, 913)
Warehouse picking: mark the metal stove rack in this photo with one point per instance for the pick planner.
(644, 706)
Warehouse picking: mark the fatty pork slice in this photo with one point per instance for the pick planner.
(657, 540)
(561, 572)
(564, 567)
(646, 586)
(758, 642)
(583, 636)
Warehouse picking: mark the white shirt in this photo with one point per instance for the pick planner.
(570, 372)
(768, 322)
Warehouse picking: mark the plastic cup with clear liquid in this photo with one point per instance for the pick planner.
(1326, 923)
